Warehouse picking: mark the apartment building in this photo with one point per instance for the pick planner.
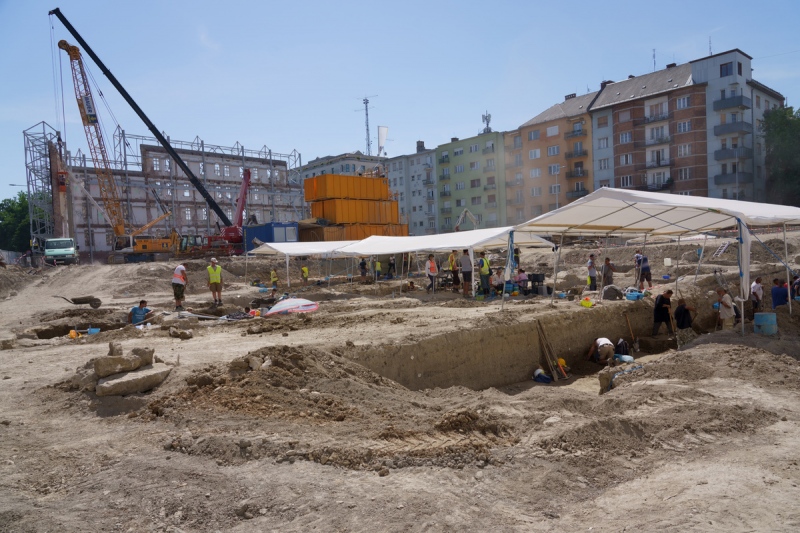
(349, 164)
(549, 159)
(468, 172)
(688, 129)
(412, 180)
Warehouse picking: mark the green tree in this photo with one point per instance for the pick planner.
(14, 224)
(782, 140)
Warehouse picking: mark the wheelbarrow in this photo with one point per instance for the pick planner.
(80, 300)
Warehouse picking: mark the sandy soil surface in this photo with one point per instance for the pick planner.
(706, 438)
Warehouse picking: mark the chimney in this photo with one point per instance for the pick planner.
(672, 65)
(569, 97)
(420, 146)
(604, 83)
(453, 139)
(631, 76)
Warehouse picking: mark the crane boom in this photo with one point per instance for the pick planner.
(97, 147)
(152, 127)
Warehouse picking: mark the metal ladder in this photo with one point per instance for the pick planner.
(721, 249)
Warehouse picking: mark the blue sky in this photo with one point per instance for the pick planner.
(291, 75)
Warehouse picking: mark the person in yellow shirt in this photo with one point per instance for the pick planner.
(215, 281)
(304, 274)
(273, 277)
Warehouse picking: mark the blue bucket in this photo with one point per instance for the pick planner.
(765, 323)
(93, 331)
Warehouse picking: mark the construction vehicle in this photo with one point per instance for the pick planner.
(465, 214)
(230, 237)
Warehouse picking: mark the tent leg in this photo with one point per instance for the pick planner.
(555, 270)
(245, 266)
(700, 260)
(288, 279)
(677, 264)
(472, 262)
(602, 256)
(788, 273)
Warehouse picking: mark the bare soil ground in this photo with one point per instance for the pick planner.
(269, 425)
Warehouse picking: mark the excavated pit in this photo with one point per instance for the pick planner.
(60, 330)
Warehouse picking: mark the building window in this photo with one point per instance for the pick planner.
(475, 165)
(739, 67)
(552, 150)
(684, 127)
(533, 135)
(535, 154)
(684, 150)
(683, 173)
(626, 159)
(475, 200)
(553, 169)
(625, 137)
(473, 148)
(758, 148)
(555, 188)
(626, 181)
(602, 122)
(536, 210)
(156, 164)
(490, 163)
(226, 171)
(517, 160)
(624, 116)
(204, 214)
(552, 130)
(602, 142)
(517, 141)
(166, 165)
(458, 151)
(758, 102)
(726, 69)
(605, 183)
(474, 184)
(536, 191)
(602, 164)
(518, 177)
(216, 169)
(536, 172)
(460, 185)
(461, 202)
(459, 169)
(187, 214)
(683, 102)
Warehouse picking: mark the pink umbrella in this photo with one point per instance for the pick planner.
(293, 305)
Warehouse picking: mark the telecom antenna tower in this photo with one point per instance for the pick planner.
(486, 119)
(366, 120)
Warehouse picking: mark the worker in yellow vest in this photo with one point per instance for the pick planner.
(304, 274)
(452, 262)
(377, 268)
(273, 277)
(215, 281)
(485, 273)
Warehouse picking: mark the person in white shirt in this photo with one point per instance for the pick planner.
(179, 283)
(726, 312)
(757, 294)
(601, 351)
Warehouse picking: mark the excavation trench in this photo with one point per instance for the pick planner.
(502, 354)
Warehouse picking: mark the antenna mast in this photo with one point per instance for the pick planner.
(366, 122)
(654, 59)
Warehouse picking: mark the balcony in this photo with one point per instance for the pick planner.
(490, 205)
(731, 179)
(733, 127)
(574, 133)
(446, 210)
(576, 153)
(515, 201)
(582, 173)
(516, 146)
(490, 187)
(741, 101)
(515, 183)
(489, 169)
(488, 150)
(653, 142)
(659, 163)
(577, 194)
(444, 193)
(430, 214)
(653, 118)
(515, 164)
(430, 199)
(430, 231)
(428, 181)
(444, 177)
(444, 160)
(656, 186)
(733, 153)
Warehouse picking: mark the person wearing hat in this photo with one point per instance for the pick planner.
(215, 281)
(592, 273)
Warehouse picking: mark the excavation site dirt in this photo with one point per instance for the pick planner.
(389, 409)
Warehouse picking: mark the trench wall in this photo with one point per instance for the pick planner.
(502, 354)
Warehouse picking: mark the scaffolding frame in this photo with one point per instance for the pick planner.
(38, 142)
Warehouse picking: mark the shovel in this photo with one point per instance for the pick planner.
(634, 339)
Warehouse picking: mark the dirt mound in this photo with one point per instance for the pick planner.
(13, 278)
(462, 302)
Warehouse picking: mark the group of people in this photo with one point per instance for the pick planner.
(682, 315)
(366, 266)
(781, 292)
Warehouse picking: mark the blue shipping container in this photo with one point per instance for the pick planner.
(271, 232)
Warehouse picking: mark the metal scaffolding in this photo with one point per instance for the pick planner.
(39, 140)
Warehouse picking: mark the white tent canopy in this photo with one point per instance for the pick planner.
(479, 239)
(291, 249)
(612, 211)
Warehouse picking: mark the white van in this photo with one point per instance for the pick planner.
(61, 251)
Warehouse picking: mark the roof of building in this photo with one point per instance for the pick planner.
(572, 107)
(349, 155)
(763, 88)
(720, 54)
(644, 86)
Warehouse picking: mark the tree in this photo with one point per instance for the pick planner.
(782, 140)
(14, 224)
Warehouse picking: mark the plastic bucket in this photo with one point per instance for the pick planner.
(765, 323)
(93, 331)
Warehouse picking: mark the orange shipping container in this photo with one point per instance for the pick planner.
(357, 232)
(356, 211)
(326, 233)
(332, 186)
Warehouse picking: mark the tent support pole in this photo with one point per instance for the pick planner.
(288, 279)
(678, 264)
(555, 270)
(700, 260)
(472, 262)
(602, 265)
(788, 273)
(245, 266)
